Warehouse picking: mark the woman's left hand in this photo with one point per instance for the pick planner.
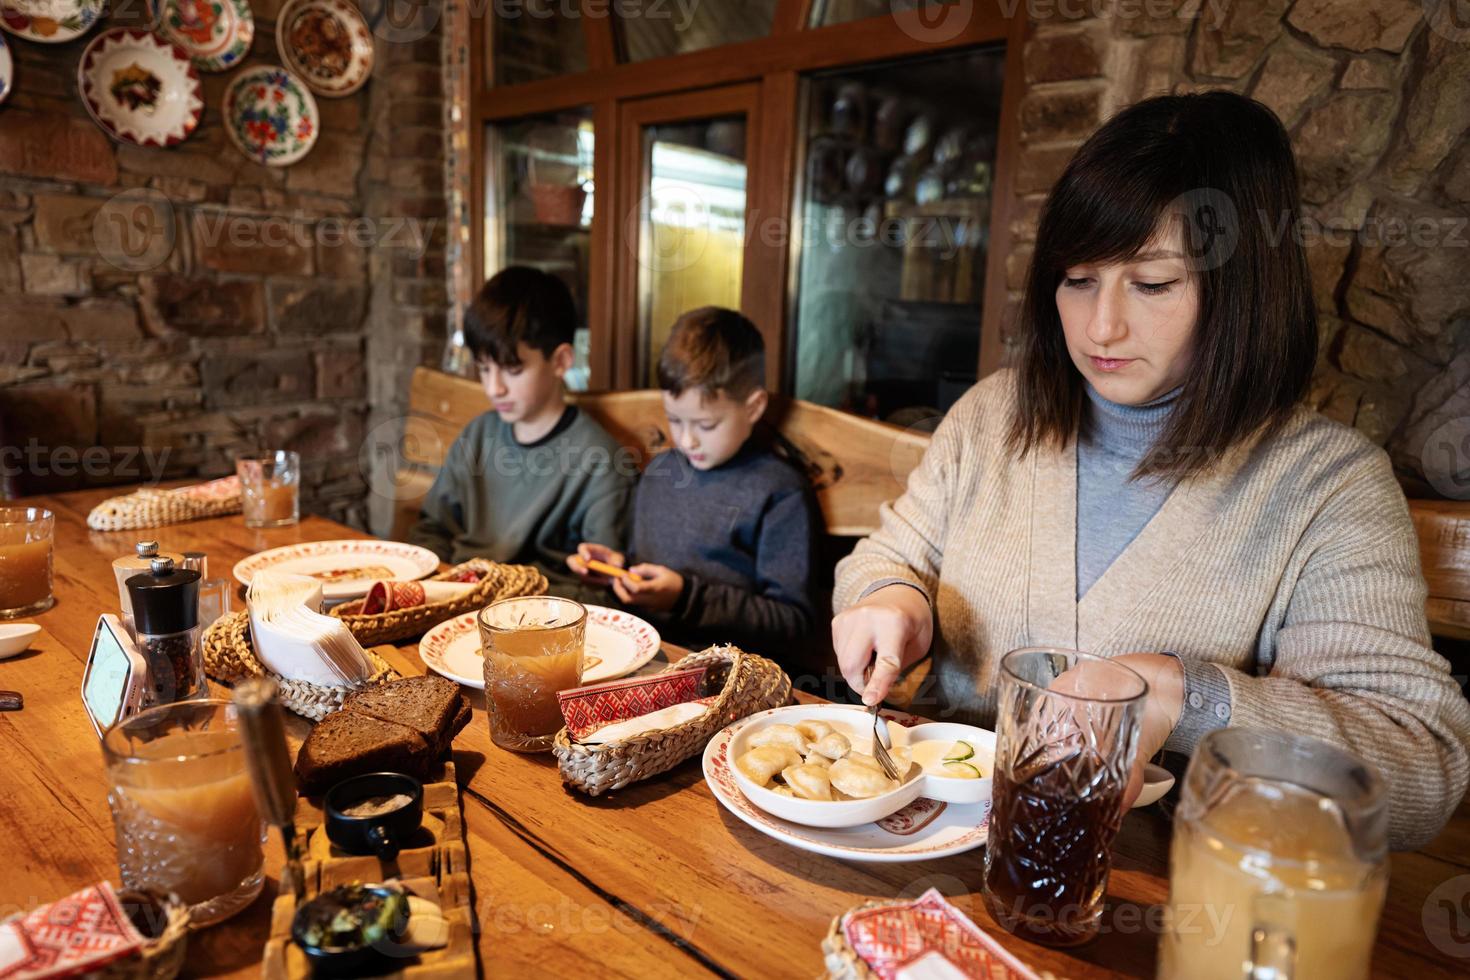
(1161, 710)
(652, 587)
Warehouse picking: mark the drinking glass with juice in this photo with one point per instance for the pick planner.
(1278, 865)
(270, 485)
(183, 808)
(533, 648)
(26, 535)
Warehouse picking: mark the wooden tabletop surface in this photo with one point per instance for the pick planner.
(655, 880)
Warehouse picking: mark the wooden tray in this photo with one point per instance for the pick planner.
(435, 865)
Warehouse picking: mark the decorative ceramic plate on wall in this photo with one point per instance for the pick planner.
(327, 43)
(49, 21)
(7, 70)
(271, 116)
(140, 88)
(215, 33)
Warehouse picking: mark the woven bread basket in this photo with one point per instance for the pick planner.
(842, 961)
(152, 507)
(500, 582)
(748, 684)
(229, 657)
(164, 924)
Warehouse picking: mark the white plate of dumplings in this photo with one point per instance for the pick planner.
(813, 765)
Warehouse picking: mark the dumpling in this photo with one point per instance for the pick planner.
(779, 735)
(833, 745)
(814, 731)
(780, 790)
(903, 758)
(808, 782)
(857, 780)
(863, 759)
(764, 761)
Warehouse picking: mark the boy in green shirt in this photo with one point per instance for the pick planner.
(526, 482)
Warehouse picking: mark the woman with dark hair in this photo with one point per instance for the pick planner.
(1145, 483)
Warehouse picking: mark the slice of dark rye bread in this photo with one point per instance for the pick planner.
(402, 726)
(346, 743)
(429, 704)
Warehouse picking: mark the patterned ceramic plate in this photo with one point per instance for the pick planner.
(620, 642)
(327, 43)
(49, 21)
(140, 88)
(346, 568)
(271, 116)
(924, 829)
(215, 33)
(7, 70)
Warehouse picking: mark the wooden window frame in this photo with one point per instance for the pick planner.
(773, 66)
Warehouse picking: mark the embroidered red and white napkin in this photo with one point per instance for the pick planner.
(74, 935)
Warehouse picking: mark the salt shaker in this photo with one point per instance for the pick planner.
(166, 626)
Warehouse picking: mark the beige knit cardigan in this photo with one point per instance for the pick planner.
(1292, 564)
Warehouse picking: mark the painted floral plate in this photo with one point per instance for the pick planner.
(618, 643)
(346, 567)
(215, 33)
(271, 116)
(7, 70)
(140, 88)
(327, 43)
(49, 21)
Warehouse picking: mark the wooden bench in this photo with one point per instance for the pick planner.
(855, 464)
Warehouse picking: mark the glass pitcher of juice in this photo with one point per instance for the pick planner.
(1279, 862)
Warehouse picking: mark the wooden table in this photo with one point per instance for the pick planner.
(655, 880)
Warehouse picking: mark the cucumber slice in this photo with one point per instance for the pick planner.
(960, 770)
(959, 752)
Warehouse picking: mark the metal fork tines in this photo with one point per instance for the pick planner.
(881, 744)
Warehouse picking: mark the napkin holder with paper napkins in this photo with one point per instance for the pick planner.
(295, 640)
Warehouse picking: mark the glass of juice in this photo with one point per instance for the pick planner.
(1279, 862)
(533, 648)
(270, 488)
(26, 535)
(1066, 736)
(183, 808)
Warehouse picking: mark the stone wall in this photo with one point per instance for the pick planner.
(163, 309)
(1376, 96)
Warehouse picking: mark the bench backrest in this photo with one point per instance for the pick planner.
(855, 464)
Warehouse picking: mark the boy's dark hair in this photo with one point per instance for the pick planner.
(1222, 164)
(519, 305)
(713, 349)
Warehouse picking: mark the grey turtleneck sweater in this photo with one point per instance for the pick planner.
(1112, 508)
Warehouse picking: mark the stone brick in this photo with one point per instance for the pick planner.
(1367, 355)
(341, 115)
(340, 259)
(64, 223)
(1327, 257)
(181, 189)
(1368, 73)
(318, 431)
(415, 81)
(1335, 396)
(1018, 261)
(416, 112)
(101, 320)
(1062, 56)
(10, 278)
(1292, 76)
(262, 378)
(1148, 67)
(51, 275)
(1457, 176)
(54, 416)
(1229, 46)
(1038, 168)
(317, 307)
(13, 353)
(1355, 25)
(251, 245)
(55, 148)
(1409, 280)
(1340, 140)
(420, 292)
(1147, 18)
(330, 168)
(340, 373)
(1434, 115)
(24, 318)
(15, 208)
(202, 307)
(1054, 114)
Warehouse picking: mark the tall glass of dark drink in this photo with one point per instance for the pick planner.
(1067, 731)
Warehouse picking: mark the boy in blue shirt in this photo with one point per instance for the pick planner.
(723, 529)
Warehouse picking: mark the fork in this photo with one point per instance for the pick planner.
(881, 744)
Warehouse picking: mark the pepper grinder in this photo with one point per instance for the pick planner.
(263, 732)
(127, 566)
(166, 626)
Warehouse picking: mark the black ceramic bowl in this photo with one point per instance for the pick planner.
(358, 959)
(358, 826)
